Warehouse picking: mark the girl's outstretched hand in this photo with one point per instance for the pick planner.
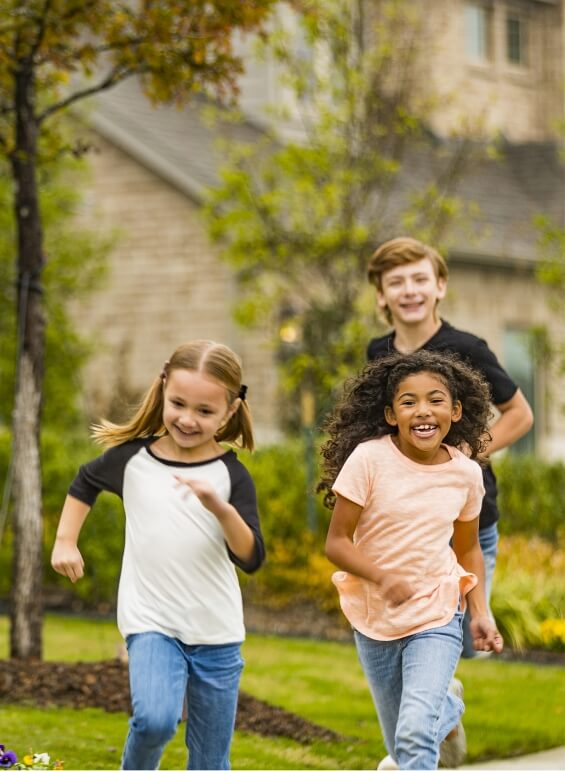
(203, 491)
(67, 560)
(486, 636)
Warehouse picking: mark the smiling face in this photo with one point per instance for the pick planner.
(411, 292)
(423, 411)
(195, 407)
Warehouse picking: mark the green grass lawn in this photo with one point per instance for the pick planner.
(512, 708)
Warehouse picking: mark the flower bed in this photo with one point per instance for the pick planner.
(39, 760)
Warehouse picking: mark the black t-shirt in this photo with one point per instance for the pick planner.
(475, 352)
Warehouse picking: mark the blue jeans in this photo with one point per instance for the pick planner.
(408, 679)
(488, 539)
(162, 670)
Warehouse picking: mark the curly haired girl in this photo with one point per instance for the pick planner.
(406, 494)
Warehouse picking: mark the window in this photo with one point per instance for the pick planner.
(478, 24)
(519, 363)
(516, 40)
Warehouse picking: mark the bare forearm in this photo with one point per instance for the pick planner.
(66, 557)
(237, 533)
(516, 419)
(72, 519)
(346, 556)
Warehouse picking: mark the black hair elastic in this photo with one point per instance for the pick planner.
(242, 392)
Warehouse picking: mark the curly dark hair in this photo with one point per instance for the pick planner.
(360, 413)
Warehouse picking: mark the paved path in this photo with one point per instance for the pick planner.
(554, 758)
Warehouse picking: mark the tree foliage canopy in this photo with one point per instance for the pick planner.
(75, 48)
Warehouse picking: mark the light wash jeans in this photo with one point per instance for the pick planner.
(161, 671)
(408, 679)
(488, 539)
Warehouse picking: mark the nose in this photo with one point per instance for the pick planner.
(423, 409)
(187, 419)
(409, 287)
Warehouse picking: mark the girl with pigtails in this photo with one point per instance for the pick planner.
(191, 516)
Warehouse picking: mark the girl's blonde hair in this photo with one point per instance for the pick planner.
(214, 359)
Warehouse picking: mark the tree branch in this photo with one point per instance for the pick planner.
(115, 77)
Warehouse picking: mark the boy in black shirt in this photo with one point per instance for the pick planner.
(411, 278)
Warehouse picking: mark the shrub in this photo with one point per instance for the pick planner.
(528, 589)
(531, 499)
(553, 633)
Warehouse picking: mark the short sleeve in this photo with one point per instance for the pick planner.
(104, 473)
(353, 481)
(475, 494)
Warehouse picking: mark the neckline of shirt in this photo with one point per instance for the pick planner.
(427, 468)
(184, 464)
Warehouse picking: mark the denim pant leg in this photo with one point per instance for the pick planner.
(409, 681)
(428, 712)
(213, 686)
(158, 675)
(382, 665)
(488, 539)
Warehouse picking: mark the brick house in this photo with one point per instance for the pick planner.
(167, 283)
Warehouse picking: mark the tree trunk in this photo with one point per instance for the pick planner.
(27, 605)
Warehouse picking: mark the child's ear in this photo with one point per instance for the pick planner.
(456, 411)
(232, 409)
(390, 416)
(381, 301)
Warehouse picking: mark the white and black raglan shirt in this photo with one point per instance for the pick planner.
(178, 575)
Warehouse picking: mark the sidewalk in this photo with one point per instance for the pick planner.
(554, 758)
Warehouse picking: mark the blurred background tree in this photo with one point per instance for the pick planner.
(298, 218)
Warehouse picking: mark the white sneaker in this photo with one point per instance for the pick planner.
(387, 764)
(453, 749)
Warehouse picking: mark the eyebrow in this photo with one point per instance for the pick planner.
(182, 399)
(429, 393)
(419, 274)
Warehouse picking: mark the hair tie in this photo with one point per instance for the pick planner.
(242, 392)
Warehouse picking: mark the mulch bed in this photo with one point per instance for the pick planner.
(105, 684)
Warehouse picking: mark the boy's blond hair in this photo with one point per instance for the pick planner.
(402, 251)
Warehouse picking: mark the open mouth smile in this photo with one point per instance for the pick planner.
(424, 429)
(186, 433)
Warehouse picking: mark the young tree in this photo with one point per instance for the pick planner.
(298, 219)
(54, 53)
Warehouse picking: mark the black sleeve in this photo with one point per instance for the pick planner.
(103, 473)
(244, 498)
(502, 386)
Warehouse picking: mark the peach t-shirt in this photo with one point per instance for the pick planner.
(406, 526)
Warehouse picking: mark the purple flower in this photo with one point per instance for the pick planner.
(7, 759)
